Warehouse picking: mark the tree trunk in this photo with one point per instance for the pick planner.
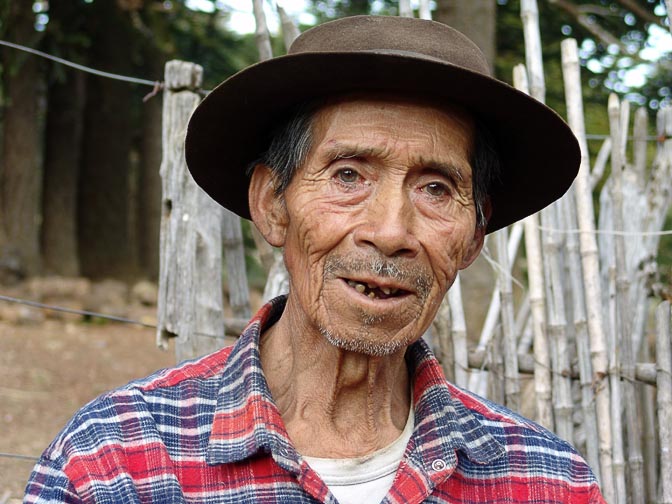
(104, 216)
(20, 169)
(63, 146)
(475, 18)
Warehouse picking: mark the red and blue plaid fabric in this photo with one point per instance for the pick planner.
(209, 431)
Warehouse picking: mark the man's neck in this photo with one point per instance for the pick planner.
(334, 403)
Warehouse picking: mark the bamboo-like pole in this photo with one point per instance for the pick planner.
(647, 398)
(591, 269)
(478, 380)
(618, 459)
(551, 246)
(557, 323)
(523, 326)
(460, 344)
(289, 29)
(424, 11)
(405, 9)
(441, 343)
(574, 100)
(535, 275)
(618, 121)
(234, 255)
(278, 278)
(664, 385)
(261, 34)
(581, 338)
(529, 12)
(639, 134)
(509, 340)
(615, 343)
(601, 160)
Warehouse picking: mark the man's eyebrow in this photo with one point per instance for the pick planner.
(338, 151)
(449, 170)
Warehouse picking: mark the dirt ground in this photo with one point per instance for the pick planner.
(51, 364)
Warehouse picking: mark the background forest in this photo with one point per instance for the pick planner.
(80, 154)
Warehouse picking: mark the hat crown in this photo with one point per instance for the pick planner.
(419, 38)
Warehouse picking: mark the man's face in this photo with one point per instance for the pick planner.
(379, 220)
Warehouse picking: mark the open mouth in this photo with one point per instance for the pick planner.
(373, 291)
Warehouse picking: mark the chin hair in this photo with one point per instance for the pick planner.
(362, 347)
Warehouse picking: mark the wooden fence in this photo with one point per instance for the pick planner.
(586, 325)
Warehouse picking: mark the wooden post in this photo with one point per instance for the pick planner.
(535, 275)
(664, 384)
(405, 9)
(590, 268)
(190, 304)
(289, 30)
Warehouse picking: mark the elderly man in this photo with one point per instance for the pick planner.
(378, 154)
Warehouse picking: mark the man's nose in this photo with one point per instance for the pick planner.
(389, 225)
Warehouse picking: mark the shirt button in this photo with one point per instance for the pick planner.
(438, 465)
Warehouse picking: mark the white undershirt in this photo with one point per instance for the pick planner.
(366, 479)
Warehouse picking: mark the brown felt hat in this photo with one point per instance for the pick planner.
(539, 154)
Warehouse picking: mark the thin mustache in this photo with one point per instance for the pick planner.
(399, 269)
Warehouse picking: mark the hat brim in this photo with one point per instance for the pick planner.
(539, 154)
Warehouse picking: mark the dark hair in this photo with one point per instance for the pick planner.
(291, 142)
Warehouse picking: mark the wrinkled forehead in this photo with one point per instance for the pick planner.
(427, 112)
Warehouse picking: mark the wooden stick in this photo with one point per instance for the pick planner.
(529, 12)
(615, 416)
(460, 344)
(590, 268)
(664, 366)
(424, 11)
(509, 343)
(261, 34)
(557, 323)
(477, 380)
(640, 142)
(600, 160)
(441, 339)
(618, 123)
(405, 9)
(234, 254)
(647, 398)
(535, 275)
(289, 29)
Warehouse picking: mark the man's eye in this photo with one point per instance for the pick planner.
(347, 176)
(436, 189)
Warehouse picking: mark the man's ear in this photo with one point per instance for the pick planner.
(267, 209)
(479, 237)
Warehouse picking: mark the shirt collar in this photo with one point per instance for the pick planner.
(247, 421)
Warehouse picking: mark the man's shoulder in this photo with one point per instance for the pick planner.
(148, 402)
(502, 422)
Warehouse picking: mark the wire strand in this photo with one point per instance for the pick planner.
(665, 232)
(16, 456)
(87, 313)
(77, 66)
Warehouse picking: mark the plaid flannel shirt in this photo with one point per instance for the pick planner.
(209, 431)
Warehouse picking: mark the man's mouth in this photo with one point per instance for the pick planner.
(374, 291)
